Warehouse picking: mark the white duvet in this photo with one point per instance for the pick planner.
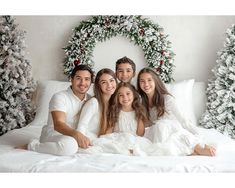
(16, 160)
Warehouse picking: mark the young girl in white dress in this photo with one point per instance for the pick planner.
(125, 124)
(170, 129)
(126, 113)
(128, 116)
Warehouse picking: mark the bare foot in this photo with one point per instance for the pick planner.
(207, 150)
(210, 150)
(25, 147)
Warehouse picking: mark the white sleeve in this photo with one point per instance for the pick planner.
(172, 108)
(116, 128)
(58, 103)
(88, 116)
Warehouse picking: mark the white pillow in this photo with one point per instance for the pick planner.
(45, 91)
(182, 91)
(199, 99)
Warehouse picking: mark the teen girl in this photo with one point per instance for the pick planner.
(170, 128)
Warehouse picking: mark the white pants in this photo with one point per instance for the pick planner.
(52, 142)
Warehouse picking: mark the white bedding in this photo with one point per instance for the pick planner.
(16, 160)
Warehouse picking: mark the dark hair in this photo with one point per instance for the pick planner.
(127, 60)
(99, 95)
(159, 92)
(82, 68)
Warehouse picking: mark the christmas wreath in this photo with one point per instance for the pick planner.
(141, 31)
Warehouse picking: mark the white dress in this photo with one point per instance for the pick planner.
(172, 134)
(122, 140)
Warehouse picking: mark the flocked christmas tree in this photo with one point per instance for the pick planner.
(220, 112)
(16, 85)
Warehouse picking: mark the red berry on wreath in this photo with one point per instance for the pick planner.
(77, 62)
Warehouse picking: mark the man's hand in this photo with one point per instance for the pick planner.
(82, 140)
(61, 126)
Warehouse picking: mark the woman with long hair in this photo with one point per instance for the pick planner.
(93, 115)
(170, 128)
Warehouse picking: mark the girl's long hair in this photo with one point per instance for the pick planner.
(103, 106)
(115, 106)
(160, 90)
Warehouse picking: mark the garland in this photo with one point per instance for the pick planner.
(141, 31)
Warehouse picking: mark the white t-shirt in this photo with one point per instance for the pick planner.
(65, 101)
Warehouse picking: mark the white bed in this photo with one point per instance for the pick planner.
(16, 160)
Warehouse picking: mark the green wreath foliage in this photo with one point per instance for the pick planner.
(142, 31)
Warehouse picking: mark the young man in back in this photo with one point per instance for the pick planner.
(125, 69)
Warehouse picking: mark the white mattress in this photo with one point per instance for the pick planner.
(16, 160)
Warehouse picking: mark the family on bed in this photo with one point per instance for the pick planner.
(119, 118)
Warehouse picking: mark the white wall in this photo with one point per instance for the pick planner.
(195, 41)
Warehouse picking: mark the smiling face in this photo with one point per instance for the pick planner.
(81, 83)
(107, 84)
(147, 83)
(125, 98)
(125, 72)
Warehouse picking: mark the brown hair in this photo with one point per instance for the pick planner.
(99, 95)
(115, 106)
(158, 100)
(126, 60)
(82, 67)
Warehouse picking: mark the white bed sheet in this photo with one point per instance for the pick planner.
(16, 160)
